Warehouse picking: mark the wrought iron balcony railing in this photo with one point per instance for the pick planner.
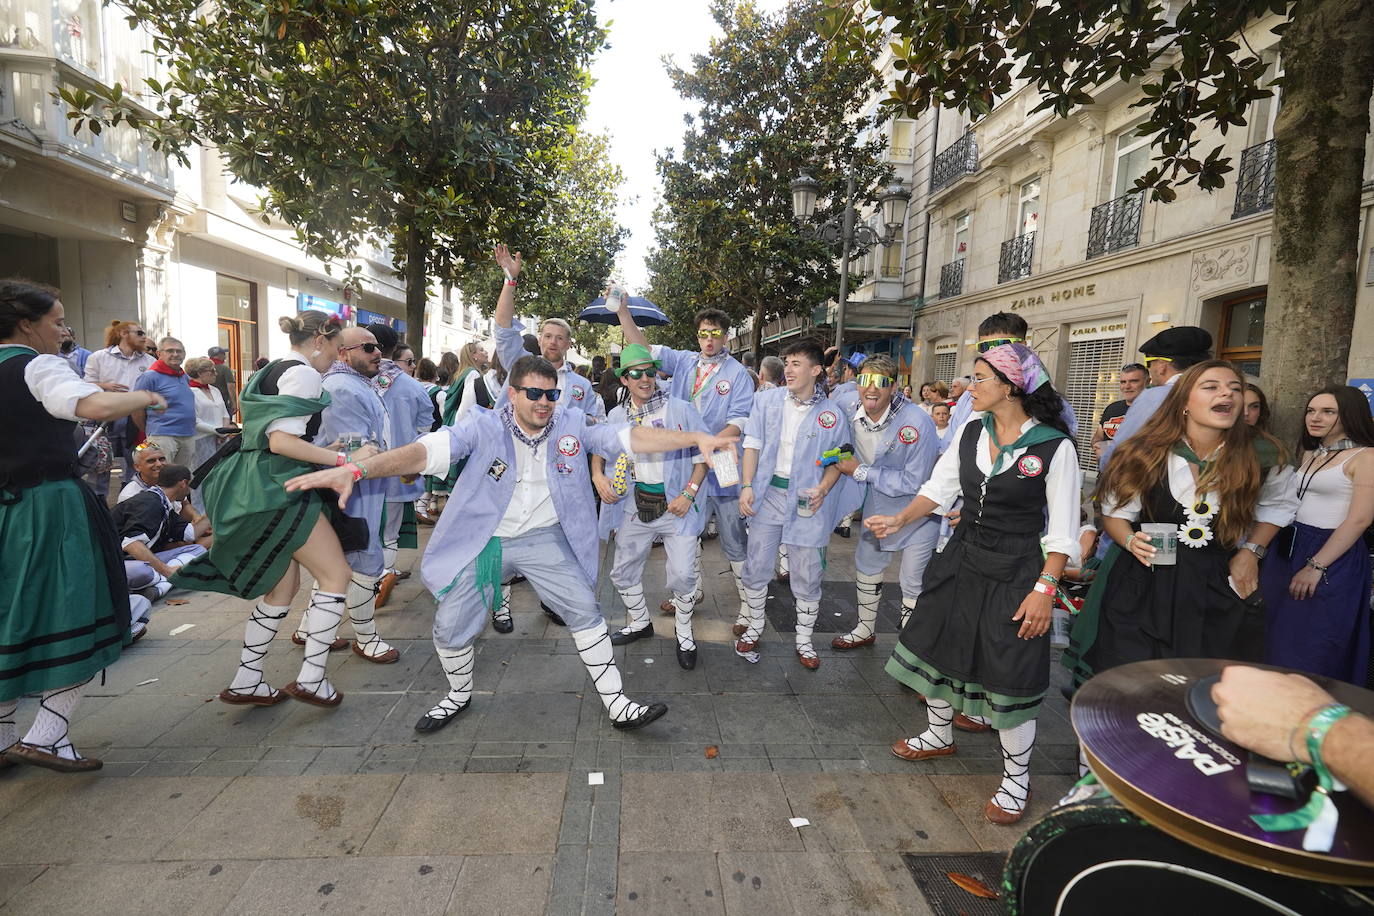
(952, 279)
(1115, 225)
(960, 158)
(1015, 261)
(1255, 180)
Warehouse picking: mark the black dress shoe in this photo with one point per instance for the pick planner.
(430, 723)
(549, 613)
(650, 713)
(619, 639)
(687, 658)
(842, 530)
(517, 578)
(502, 624)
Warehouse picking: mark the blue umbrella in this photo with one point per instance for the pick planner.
(644, 312)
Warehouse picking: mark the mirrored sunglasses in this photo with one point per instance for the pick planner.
(710, 333)
(638, 373)
(986, 345)
(874, 380)
(535, 394)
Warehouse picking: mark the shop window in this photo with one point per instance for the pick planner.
(1091, 384)
(1242, 331)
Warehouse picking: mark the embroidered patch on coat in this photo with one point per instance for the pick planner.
(827, 419)
(569, 445)
(1030, 466)
(498, 467)
(723, 386)
(908, 434)
(577, 393)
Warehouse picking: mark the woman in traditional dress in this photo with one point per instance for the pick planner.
(976, 642)
(64, 602)
(1316, 581)
(1195, 465)
(263, 534)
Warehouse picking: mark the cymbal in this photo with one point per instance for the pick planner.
(1144, 746)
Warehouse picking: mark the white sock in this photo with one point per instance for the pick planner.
(1017, 743)
(637, 608)
(50, 727)
(908, 606)
(457, 665)
(257, 637)
(737, 568)
(362, 608)
(807, 612)
(782, 560)
(682, 621)
(300, 628)
(502, 611)
(940, 733)
(322, 621)
(756, 597)
(869, 589)
(594, 645)
(8, 734)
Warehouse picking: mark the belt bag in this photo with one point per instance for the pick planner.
(650, 506)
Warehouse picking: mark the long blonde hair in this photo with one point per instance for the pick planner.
(467, 359)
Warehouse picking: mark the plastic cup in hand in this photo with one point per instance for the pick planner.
(614, 298)
(1164, 538)
(804, 498)
(351, 442)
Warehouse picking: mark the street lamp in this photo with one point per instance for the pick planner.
(848, 231)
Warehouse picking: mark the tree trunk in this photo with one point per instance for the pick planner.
(417, 287)
(758, 334)
(1328, 57)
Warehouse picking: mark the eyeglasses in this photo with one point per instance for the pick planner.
(874, 380)
(638, 373)
(1150, 359)
(710, 333)
(365, 347)
(407, 362)
(535, 394)
(986, 345)
(1133, 367)
(978, 381)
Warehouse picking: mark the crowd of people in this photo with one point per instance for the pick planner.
(1204, 535)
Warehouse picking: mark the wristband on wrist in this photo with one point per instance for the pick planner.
(1319, 816)
(1046, 577)
(357, 472)
(1131, 539)
(746, 486)
(340, 459)
(693, 486)
(691, 497)
(1044, 589)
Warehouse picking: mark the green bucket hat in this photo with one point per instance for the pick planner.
(636, 355)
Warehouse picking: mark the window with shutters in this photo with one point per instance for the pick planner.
(946, 363)
(1094, 366)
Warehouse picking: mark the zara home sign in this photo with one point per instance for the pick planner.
(1058, 295)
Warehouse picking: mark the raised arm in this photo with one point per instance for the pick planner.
(627, 323)
(505, 304)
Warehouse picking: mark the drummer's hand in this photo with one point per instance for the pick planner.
(338, 479)
(1245, 572)
(1141, 548)
(1034, 614)
(1261, 710)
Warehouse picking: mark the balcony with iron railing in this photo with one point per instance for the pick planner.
(1115, 225)
(952, 279)
(1255, 180)
(1015, 261)
(958, 159)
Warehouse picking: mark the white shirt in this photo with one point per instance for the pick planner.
(211, 414)
(112, 366)
(649, 465)
(1063, 488)
(300, 381)
(866, 442)
(792, 416)
(1278, 498)
(469, 396)
(52, 384)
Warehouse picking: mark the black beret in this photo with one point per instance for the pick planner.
(1186, 341)
(386, 336)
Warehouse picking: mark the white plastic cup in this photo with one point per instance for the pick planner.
(1164, 538)
(804, 498)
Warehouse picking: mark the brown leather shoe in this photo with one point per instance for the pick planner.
(234, 698)
(965, 724)
(297, 692)
(1001, 816)
(20, 752)
(338, 645)
(742, 646)
(386, 658)
(844, 642)
(739, 629)
(384, 587)
(907, 752)
(810, 662)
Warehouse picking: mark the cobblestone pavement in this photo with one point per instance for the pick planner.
(208, 808)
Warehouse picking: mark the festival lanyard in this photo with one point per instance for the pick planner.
(1312, 469)
(700, 381)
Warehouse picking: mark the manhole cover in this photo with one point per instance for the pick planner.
(945, 897)
(781, 608)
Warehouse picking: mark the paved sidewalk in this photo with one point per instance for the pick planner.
(208, 808)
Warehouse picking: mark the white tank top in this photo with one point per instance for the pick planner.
(1325, 495)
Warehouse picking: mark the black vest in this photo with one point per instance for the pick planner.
(1012, 502)
(37, 446)
(271, 374)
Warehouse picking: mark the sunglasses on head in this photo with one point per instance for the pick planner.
(710, 333)
(986, 345)
(365, 347)
(1150, 359)
(144, 446)
(639, 373)
(535, 394)
(1133, 367)
(874, 380)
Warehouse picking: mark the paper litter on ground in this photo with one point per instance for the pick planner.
(151, 680)
(596, 779)
(181, 629)
(798, 822)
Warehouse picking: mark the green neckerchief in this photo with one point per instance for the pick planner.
(1265, 453)
(1185, 451)
(1040, 432)
(259, 410)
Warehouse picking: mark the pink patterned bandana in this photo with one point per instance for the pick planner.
(1019, 364)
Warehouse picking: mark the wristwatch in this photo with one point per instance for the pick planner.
(1258, 550)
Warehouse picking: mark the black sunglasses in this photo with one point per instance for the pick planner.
(366, 347)
(535, 394)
